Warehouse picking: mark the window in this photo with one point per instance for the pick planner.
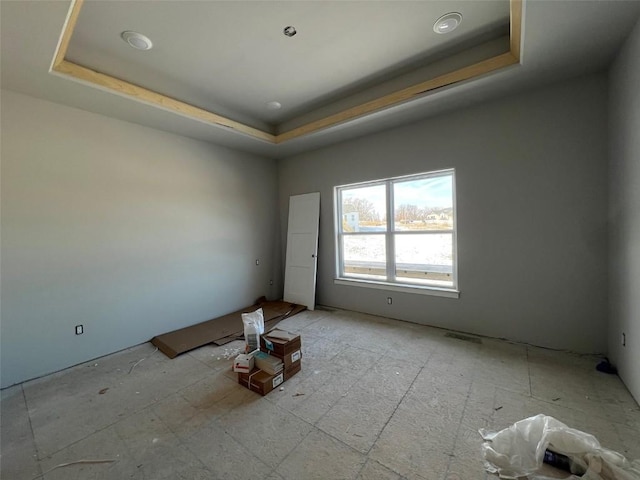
(398, 232)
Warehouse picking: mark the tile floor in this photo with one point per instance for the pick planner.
(376, 399)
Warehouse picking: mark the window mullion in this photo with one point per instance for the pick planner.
(340, 236)
(390, 243)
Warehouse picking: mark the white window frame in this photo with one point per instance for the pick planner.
(391, 283)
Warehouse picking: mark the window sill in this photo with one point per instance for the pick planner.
(417, 289)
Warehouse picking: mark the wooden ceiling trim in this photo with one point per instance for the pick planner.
(515, 33)
(495, 63)
(61, 66)
(142, 94)
(67, 31)
(401, 96)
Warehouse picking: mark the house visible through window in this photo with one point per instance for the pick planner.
(399, 231)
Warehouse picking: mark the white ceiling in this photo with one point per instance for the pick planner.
(233, 57)
(561, 38)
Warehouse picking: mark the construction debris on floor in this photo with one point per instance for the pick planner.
(377, 399)
(223, 329)
(278, 359)
(531, 446)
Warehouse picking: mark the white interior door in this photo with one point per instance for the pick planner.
(302, 250)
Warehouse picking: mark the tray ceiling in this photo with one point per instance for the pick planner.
(223, 62)
(561, 39)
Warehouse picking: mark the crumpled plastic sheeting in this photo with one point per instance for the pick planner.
(518, 452)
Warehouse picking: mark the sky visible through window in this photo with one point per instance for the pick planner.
(433, 192)
(429, 192)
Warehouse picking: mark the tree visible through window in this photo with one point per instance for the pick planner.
(399, 230)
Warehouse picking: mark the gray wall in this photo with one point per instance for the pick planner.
(127, 230)
(625, 213)
(532, 210)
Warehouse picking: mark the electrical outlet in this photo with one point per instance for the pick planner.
(624, 340)
(257, 262)
(389, 300)
(79, 329)
(270, 282)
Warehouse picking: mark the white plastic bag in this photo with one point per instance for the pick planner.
(253, 328)
(518, 451)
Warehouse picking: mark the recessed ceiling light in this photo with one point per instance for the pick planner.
(137, 40)
(274, 105)
(290, 31)
(447, 23)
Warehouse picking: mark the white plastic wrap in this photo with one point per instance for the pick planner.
(518, 452)
(253, 328)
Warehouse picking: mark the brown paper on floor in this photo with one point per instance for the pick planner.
(223, 329)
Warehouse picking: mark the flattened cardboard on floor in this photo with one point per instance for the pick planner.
(277, 311)
(228, 327)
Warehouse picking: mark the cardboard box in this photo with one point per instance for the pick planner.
(291, 359)
(263, 383)
(288, 360)
(280, 343)
(260, 382)
(269, 363)
(290, 372)
(284, 345)
(244, 363)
